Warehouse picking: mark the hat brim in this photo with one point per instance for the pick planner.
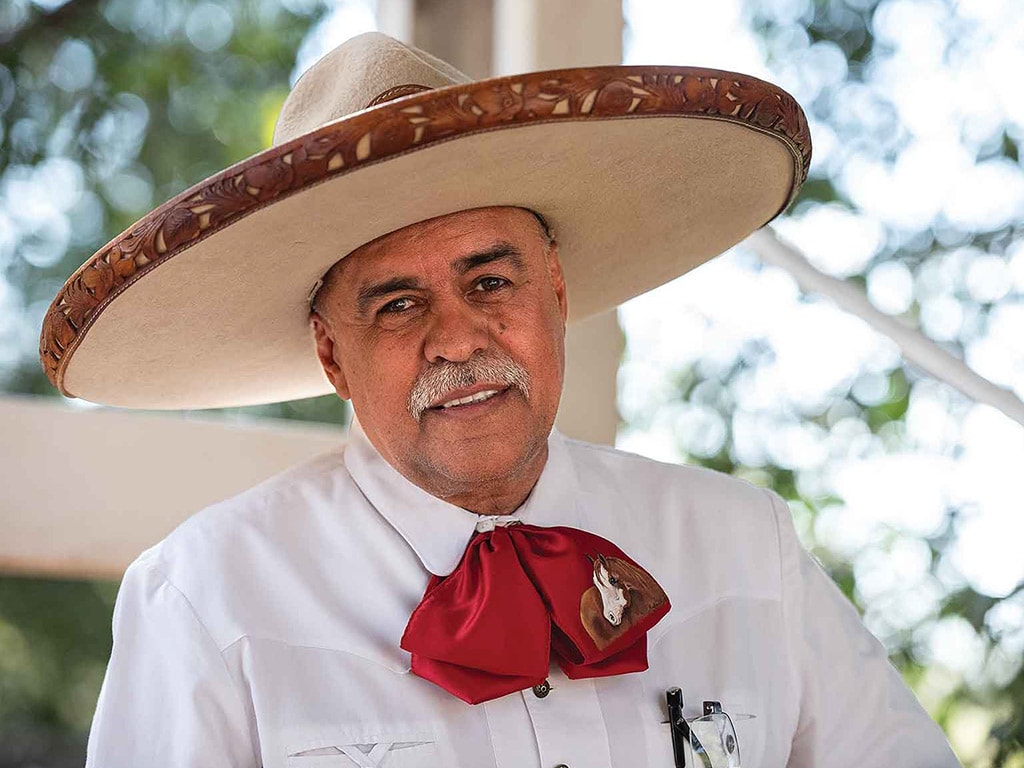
(644, 173)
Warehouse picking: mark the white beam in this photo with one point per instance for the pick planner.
(85, 491)
(915, 346)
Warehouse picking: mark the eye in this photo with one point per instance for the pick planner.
(613, 581)
(396, 306)
(491, 283)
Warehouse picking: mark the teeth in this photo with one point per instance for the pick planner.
(478, 397)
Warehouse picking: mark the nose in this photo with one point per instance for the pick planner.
(455, 333)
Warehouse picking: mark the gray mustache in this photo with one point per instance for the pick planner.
(441, 379)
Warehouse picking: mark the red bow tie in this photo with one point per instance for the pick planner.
(522, 594)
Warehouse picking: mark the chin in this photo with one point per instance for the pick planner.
(476, 463)
(476, 467)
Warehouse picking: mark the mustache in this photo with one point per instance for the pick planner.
(441, 379)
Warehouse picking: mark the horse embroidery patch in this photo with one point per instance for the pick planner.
(623, 593)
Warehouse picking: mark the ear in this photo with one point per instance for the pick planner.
(558, 280)
(325, 348)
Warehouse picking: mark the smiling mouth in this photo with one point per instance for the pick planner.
(476, 397)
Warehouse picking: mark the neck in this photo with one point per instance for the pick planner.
(501, 495)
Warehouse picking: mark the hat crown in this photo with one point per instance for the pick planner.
(354, 76)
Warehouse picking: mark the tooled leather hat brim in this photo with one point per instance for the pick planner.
(644, 172)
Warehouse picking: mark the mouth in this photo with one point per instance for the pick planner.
(471, 399)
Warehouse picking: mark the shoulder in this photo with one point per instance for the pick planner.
(276, 565)
(259, 510)
(694, 524)
(600, 466)
(216, 558)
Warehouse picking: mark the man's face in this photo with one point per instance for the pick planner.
(463, 305)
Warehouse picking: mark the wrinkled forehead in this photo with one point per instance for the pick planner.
(450, 234)
(505, 222)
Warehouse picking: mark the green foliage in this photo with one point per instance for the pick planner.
(152, 114)
(54, 644)
(164, 108)
(992, 694)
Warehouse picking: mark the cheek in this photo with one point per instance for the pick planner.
(381, 369)
(540, 347)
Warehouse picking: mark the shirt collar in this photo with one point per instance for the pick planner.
(438, 531)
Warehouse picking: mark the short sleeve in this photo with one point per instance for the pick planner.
(168, 699)
(855, 709)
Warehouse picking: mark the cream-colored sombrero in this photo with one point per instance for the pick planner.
(643, 171)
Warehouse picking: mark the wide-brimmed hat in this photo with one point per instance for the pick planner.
(644, 172)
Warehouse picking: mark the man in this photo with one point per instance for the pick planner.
(470, 305)
(460, 584)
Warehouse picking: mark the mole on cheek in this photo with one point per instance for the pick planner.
(502, 327)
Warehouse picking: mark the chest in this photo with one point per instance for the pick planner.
(317, 708)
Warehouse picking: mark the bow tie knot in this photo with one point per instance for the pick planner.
(490, 522)
(524, 594)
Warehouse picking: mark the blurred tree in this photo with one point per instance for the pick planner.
(107, 109)
(861, 49)
(917, 194)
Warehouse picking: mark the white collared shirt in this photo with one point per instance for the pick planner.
(265, 631)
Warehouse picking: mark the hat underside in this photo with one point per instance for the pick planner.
(220, 317)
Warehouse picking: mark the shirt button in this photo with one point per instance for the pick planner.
(540, 691)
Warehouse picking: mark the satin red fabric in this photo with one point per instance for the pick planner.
(524, 594)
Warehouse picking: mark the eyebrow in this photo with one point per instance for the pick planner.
(497, 252)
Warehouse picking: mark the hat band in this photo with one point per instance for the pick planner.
(396, 93)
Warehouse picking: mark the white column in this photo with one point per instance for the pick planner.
(394, 18)
(551, 34)
(498, 37)
(522, 36)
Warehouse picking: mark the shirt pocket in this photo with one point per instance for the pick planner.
(749, 735)
(750, 720)
(393, 750)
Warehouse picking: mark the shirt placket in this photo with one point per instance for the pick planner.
(567, 723)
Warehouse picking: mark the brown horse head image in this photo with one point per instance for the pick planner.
(622, 595)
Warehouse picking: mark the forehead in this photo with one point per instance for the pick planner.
(446, 238)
